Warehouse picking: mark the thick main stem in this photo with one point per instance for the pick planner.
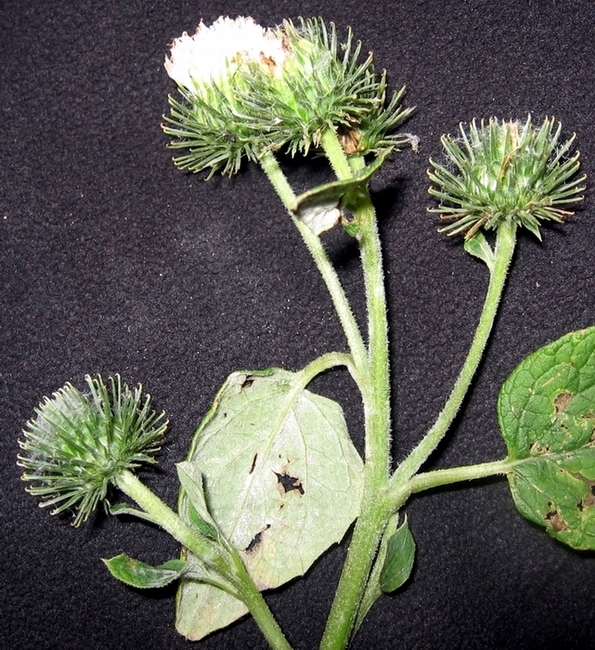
(231, 570)
(503, 253)
(375, 510)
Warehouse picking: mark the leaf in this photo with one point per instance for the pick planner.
(546, 411)
(283, 482)
(321, 207)
(196, 507)
(398, 563)
(144, 576)
(478, 247)
(124, 509)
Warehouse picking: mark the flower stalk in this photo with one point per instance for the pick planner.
(328, 272)
(503, 254)
(375, 387)
(79, 445)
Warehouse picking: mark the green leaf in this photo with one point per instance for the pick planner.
(195, 508)
(546, 411)
(398, 563)
(144, 576)
(125, 509)
(321, 207)
(283, 482)
(478, 247)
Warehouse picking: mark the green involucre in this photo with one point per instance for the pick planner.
(79, 443)
(505, 171)
(322, 85)
(326, 85)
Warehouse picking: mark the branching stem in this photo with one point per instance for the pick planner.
(375, 509)
(231, 569)
(503, 254)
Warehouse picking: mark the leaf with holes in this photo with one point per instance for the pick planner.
(282, 481)
(546, 411)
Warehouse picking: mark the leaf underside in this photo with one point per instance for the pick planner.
(320, 208)
(282, 481)
(546, 411)
(144, 576)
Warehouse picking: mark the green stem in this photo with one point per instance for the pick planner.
(231, 569)
(375, 509)
(335, 154)
(440, 477)
(164, 516)
(260, 611)
(401, 492)
(503, 253)
(326, 362)
(354, 338)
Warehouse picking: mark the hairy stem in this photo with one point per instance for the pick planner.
(503, 253)
(354, 338)
(441, 477)
(231, 569)
(164, 516)
(375, 510)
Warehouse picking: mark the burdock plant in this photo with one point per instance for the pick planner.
(272, 477)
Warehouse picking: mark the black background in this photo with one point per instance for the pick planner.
(114, 261)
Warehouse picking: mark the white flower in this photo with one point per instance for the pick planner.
(212, 53)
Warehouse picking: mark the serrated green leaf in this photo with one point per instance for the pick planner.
(283, 482)
(144, 576)
(478, 247)
(400, 556)
(546, 411)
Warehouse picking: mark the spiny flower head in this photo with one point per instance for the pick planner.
(77, 444)
(505, 170)
(247, 89)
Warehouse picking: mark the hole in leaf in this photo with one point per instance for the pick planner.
(287, 483)
(256, 540)
(537, 448)
(253, 464)
(590, 500)
(555, 519)
(248, 381)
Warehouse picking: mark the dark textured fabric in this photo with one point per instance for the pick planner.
(113, 261)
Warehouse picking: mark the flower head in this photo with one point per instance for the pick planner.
(213, 54)
(505, 171)
(247, 89)
(77, 444)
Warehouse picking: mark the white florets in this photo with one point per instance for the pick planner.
(211, 53)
